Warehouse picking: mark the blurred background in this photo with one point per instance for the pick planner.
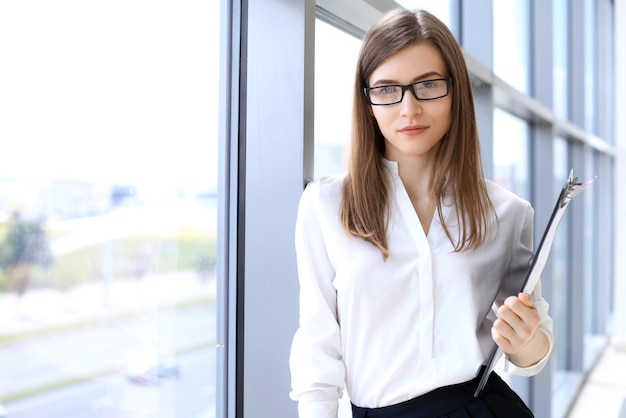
(154, 154)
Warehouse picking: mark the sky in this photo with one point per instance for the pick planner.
(113, 91)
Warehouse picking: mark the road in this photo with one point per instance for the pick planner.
(191, 395)
(115, 347)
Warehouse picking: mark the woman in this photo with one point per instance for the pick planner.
(401, 259)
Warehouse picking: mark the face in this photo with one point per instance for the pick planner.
(412, 128)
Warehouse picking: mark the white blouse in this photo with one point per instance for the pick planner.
(391, 330)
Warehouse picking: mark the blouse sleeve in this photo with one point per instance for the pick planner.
(519, 260)
(317, 369)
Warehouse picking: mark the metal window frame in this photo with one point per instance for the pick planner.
(264, 135)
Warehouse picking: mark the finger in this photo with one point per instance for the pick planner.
(512, 318)
(527, 313)
(517, 305)
(504, 337)
(522, 323)
(526, 299)
(503, 329)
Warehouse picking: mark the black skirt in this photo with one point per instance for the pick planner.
(497, 400)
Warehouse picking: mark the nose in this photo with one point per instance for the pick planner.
(410, 106)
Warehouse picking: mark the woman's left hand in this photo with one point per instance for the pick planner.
(515, 331)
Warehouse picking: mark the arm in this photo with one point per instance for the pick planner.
(523, 329)
(317, 369)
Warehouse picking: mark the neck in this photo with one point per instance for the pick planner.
(416, 175)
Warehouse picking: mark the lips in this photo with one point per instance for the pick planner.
(413, 129)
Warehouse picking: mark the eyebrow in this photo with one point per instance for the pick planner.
(424, 76)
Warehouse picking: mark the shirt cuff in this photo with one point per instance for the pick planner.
(318, 409)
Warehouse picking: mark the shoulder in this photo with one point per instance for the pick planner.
(324, 193)
(506, 202)
(326, 188)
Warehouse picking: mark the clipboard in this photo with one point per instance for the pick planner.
(570, 190)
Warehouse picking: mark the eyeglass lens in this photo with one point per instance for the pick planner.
(423, 90)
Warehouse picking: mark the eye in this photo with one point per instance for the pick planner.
(387, 89)
(430, 84)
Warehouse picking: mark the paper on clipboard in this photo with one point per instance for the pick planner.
(571, 188)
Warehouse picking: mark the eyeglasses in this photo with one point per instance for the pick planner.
(422, 90)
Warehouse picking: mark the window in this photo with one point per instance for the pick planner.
(443, 9)
(560, 58)
(560, 305)
(510, 153)
(590, 63)
(107, 208)
(511, 43)
(336, 54)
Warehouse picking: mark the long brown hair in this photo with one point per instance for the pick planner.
(458, 172)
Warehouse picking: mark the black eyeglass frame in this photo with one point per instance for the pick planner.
(406, 87)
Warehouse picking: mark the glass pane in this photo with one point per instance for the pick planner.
(560, 307)
(336, 55)
(590, 63)
(560, 58)
(558, 253)
(510, 148)
(107, 208)
(440, 8)
(511, 42)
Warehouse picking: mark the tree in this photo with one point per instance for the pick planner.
(25, 245)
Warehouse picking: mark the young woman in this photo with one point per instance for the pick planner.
(401, 259)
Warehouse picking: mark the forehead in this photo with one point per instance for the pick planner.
(410, 64)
